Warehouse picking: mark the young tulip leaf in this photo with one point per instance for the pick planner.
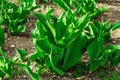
(38, 54)
(116, 26)
(22, 54)
(2, 36)
(28, 70)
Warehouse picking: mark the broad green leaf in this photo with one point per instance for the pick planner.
(44, 44)
(60, 29)
(94, 50)
(55, 58)
(59, 71)
(94, 45)
(94, 64)
(40, 30)
(57, 54)
(74, 52)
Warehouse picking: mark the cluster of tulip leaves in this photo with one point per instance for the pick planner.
(15, 16)
(7, 65)
(81, 7)
(60, 42)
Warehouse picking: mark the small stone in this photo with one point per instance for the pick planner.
(6, 35)
(113, 41)
(8, 39)
(81, 78)
(12, 46)
(69, 74)
(24, 76)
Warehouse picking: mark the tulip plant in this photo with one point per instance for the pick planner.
(15, 17)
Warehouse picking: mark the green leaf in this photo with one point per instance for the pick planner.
(60, 29)
(2, 36)
(57, 55)
(2, 74)
(3, 55)
(1, 61)
(38, 54)
(116, 26)
(41, 30)
(22, 54)
(94, 50)
(101, 10)
(47, 25)
(74, 52)
(15, 28)
(114, 54)
(28, 70)
(21, 28)
(105, 57)
(44, 44)
(59, 71)
(65, 5)
(55, 58)
(81, 23)
(94, 64)
(94, 45)
(1, 18)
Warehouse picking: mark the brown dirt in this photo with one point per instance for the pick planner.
(23, 41)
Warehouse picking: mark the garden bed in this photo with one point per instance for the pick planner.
(23, 41)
